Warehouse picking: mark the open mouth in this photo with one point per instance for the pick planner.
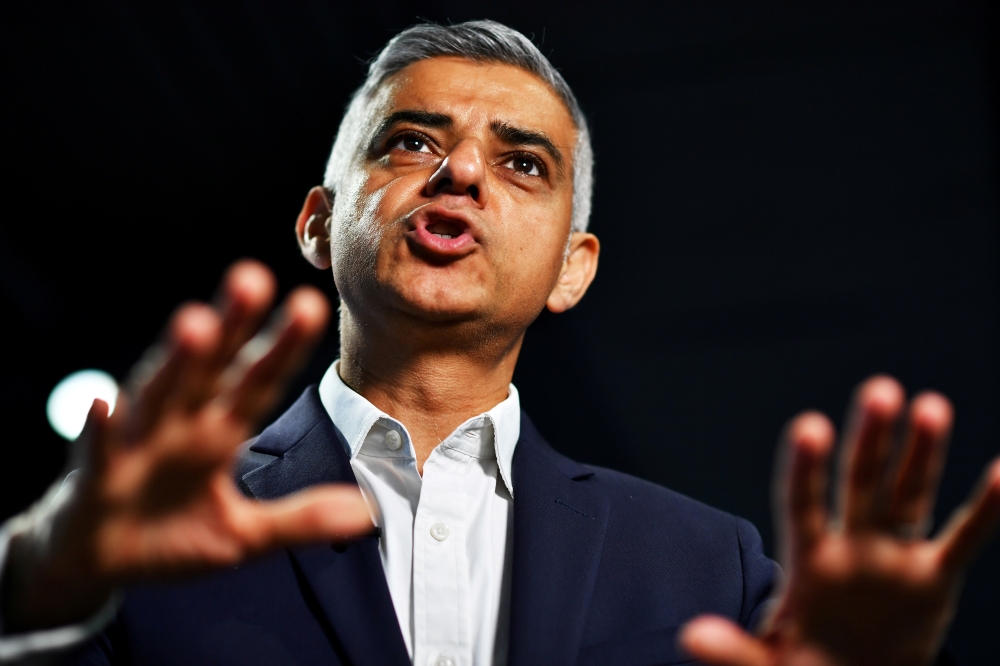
(441, 234)
(445, 229)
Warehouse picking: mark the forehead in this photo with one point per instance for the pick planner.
(474, 93)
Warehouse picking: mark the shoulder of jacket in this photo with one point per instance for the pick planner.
(646, 500)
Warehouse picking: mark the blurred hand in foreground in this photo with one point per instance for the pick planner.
(154, 496)
(865, 585)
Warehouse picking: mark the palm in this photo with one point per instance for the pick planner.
(848, 598)
(168, 503)
(153, 496)
(864, 586)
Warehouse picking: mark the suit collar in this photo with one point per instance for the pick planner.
(557, 461)
(345, 583)
(307, 449)
(559, 524)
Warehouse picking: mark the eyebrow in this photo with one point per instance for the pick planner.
(517, 136)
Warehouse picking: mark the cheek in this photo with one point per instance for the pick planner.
(534, 253)
(356, 234)
(367, 224)
(397, 197)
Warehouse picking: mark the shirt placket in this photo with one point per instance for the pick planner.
(440, 564)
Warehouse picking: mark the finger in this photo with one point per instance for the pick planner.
(244, 299)
(90, 448)
(973, 523)
(324, 513)
(170, 368)
(868, 445)
(912, 500)
(299, 327)
(718, 641)
(800, 491)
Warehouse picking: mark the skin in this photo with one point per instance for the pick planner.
(864, 585)
(432, 338)
(430, 332)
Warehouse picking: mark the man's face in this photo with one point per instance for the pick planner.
(459, 206)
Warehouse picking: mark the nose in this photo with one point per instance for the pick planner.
(463, 172)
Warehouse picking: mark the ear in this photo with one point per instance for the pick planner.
(313, 227)
(577, 273)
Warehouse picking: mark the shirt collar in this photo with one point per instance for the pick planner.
(355, 417)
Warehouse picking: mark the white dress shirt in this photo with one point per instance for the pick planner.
(445, 538)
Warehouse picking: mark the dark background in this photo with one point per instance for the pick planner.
(790, 197)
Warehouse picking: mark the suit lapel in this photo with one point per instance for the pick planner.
(559, 524)
(345, 583)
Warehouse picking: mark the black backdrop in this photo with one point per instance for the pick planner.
(790, 198)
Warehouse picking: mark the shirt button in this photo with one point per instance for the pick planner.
(440, 532)
(443, 661)
(393, 440)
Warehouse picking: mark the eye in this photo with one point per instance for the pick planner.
(524, 165)
(411, 144)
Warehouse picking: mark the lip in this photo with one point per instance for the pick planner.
(431, 226)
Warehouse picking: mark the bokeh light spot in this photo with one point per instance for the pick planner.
(70, 401)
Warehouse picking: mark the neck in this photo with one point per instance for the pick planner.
(424, 381)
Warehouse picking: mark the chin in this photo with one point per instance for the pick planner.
(440, 293)
(441, 303)
(441, 311)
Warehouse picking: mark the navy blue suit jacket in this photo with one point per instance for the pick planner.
(606, 569)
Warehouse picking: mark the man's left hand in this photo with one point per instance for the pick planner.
(865, 585)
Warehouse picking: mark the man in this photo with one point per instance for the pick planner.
(454, 209)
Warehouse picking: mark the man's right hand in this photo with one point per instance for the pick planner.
(154, 497)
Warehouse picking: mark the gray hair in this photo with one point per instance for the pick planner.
(479, 41)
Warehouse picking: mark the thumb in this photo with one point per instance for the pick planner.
(323, 513)
(89, 446)
(716, 640)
